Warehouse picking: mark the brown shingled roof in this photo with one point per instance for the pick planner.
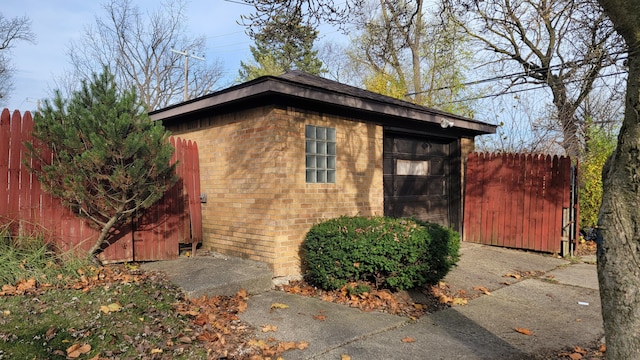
(328, 95)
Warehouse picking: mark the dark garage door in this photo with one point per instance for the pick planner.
(419, 176)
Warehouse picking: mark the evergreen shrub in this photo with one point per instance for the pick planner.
(390, 253)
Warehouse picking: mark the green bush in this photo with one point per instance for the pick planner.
(389, 253)
(600, 143)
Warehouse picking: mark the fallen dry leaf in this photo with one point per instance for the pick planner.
(74, 351)
(242, 306)
(375, 299)
(345, 357)
(242, 294)
(302, 345)
(156, 351)
(113, 307)
(260, 343)
(50, 334)
(580, 350)
(444, 299)
(320, 316)
(483, 289)
(279, 306)
(459, 301)
(513, 275)
(286, 345)
(524, 331)
(267, 328)
(8, 290)
(575, 356)
(26, 285)
(185, 339)
(408, 339)
(603, 348)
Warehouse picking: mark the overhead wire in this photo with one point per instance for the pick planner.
(508, 76)
(519, 91)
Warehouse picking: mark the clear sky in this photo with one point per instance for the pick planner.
(57, 22)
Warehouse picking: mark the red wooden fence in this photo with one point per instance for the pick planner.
(175, 219)
(517, 200)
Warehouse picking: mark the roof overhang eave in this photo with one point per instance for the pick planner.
(276, 86)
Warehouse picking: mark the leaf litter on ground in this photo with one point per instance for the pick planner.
(118, 312)
(166, 325)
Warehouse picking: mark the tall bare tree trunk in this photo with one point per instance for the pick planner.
(619, 220)
(415, 54)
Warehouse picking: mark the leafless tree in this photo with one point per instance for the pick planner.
(137, 48)
(564, 45)
(11, 31)
(339, 67)
(522, 127)
(335, 12)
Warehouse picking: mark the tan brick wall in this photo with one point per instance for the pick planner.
(252, 168)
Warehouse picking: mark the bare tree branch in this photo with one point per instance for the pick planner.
(336, 12)
(11, 31)
(563, 44)
(137, 48)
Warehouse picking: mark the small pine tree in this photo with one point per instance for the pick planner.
(102, 155)
(284, 44)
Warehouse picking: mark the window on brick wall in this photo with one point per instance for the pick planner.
(320, 154)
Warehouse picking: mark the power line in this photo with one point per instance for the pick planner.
(238, 2)
(518, 91)
(224, 35)
(502, 77)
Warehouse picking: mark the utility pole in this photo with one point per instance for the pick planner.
(186, 69)
(37, 101)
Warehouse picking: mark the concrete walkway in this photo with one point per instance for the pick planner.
(559, 304)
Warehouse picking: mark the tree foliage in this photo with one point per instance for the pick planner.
(599, 145)
(137, 49)
(283, 44)
(11, 31)
(101, 154)
(403, 53)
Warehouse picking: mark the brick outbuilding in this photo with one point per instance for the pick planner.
(279, 154)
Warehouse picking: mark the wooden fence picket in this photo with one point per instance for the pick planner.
(516, 200)
(27, 208)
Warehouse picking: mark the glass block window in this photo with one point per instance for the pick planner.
(320, 154)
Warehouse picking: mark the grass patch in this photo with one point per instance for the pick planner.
(59, 306)
(119, 315)
(30, 257)
(143, 324)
